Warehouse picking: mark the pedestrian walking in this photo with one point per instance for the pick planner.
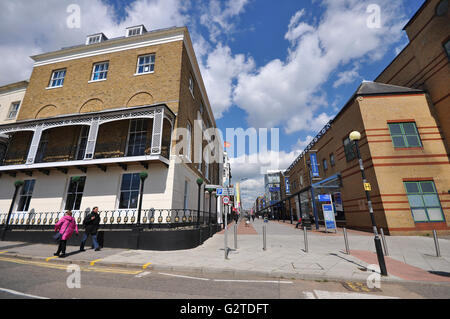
(65, 228)
(91, 223)
(253, 217)
(299, 222)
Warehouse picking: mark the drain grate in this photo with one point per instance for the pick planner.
(359, 287)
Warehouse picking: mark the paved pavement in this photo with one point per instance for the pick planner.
(284, 258)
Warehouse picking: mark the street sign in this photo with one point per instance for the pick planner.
(225, 191)
(213, 186)
(328, 216)
(324, 198)
(226, 200)
(367, 187)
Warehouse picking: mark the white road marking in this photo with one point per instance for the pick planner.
(13, 292)
(347, 295)
(262, 281)
(142, 274)
(309, 295)
(181, 276)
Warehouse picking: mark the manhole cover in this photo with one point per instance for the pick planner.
(359, 287)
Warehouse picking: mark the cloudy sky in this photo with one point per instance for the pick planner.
(289, 64)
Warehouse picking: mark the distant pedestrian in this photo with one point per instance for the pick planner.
(91, 224)
(65, 228)
(299, 222)
(253, 218)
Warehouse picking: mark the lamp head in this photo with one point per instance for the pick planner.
(199, 181)
(355, 136)
(143, 175)
(18, 183)
(210, 190)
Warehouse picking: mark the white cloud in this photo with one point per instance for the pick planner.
(218, 73)
(248, 166)
(284, 93)
(218, 16)
(346, 77)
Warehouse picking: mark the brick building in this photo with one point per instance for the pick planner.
(404, 156)
(424, 62)
(95, 115)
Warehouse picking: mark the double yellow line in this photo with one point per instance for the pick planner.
(64, 266)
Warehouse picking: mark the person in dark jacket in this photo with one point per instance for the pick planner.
(91, 224)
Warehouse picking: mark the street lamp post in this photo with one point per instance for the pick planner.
(199, 183)
(17, 185)
(143, 176)
(355, 136)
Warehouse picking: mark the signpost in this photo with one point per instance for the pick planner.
(226, 200)
(225, 191)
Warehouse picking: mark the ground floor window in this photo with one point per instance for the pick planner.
(129, 191)
(25, 195)
(424, 201)
(75, 193)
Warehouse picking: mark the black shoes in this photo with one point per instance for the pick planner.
(56, 254)
(82, 249)
(97, 249)
(62, 256)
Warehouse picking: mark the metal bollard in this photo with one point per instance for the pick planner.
(235, 237)
(264, 238)
(226, 238)
(306, 239)
(347, 249)
(436, 244)
(386, 252)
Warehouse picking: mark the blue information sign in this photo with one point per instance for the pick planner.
(288, 188)
(314, 165)
(328, 216)
(325, 198)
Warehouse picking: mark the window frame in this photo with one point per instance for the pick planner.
(136, 132)
(29, 195)
(332, 160)
(129, 190)
(404, 135)
(325, 164)
(349, 156)
(16, 112)
(76, 193)
(421, 193)
(100, 72)
(52, 79)
(152, 56)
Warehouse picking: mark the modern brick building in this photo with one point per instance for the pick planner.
(404, 118)
(424, 62)
(95, 115)
(404, 156)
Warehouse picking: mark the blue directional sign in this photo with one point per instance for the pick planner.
(324, 198)
(288, 188)
(314, 165)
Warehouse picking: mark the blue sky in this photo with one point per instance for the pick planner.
(287, 64)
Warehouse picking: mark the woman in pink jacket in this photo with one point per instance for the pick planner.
(66, 226)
